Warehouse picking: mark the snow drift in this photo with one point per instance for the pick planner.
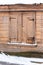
(20, 60)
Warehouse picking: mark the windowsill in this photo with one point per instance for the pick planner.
(23, 44)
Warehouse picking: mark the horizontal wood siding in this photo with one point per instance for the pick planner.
(4, 27)
(39, 27)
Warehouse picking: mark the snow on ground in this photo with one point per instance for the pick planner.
(20, 60)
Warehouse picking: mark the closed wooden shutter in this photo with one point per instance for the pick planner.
(15, 27)
(28, 27)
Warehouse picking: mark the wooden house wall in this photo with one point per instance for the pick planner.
(39, 27)
(21, 25)
(4, 27)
